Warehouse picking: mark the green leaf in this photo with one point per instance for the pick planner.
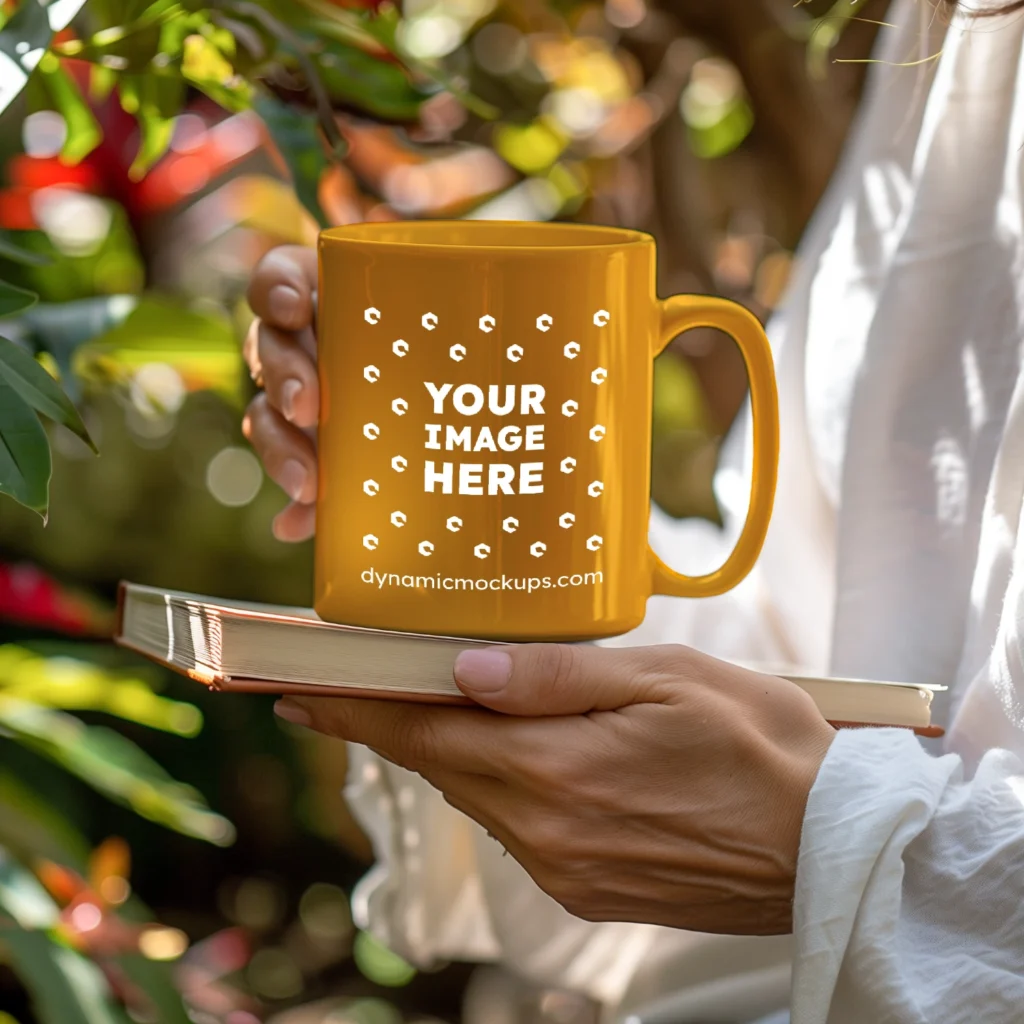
(322, 19)
(297, 137)
(378, 87)
(175, 31)
(253, 43)
(156, 134)
(14, 299)
(32, 827)
(83, 131)
(24, 452)
(128, 93)
(115, 767)
(10, 250)
(101, 82)
(235, 95)
(66, 988)
(159, 100)
(205, 65)
(23, 40)
(383, 28)
(202, 61)
(157, 981)
(201, 347)
(60, 328)
(23, 897)
(38, 389)
(74, 684)
(126, 35)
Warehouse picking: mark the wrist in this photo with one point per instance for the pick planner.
(798, 771)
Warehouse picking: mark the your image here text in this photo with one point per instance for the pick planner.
(482, 478)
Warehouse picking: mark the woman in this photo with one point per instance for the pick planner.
(666, 788)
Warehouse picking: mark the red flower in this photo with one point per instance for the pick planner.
(29, 597)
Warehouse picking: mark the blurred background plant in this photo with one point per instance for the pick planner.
(151, 153)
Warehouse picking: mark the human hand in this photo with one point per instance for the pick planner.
(649, 784)
(280, 349)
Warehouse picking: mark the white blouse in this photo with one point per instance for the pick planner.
(894, 553)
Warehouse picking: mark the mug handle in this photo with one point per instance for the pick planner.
(682, 313)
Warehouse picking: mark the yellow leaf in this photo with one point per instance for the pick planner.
(203, 62)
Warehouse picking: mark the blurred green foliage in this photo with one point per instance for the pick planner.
(152, 54)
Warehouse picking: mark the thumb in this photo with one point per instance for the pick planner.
(538, 680)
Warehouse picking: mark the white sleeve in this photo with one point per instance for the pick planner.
(910, 887)
(443, 890)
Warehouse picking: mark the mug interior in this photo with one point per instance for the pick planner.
(483, 234)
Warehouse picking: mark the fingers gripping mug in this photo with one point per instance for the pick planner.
(485, 429)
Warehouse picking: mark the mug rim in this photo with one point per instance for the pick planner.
(374, 235)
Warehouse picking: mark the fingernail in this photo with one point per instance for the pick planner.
(292, 479)
(483, 671)
(289, 392)
(284, 304)
(292, 713)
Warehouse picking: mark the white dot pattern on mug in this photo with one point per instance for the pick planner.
(458, 352)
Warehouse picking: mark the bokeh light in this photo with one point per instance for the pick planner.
(325, 914)
(430, 36)
(115, 889)
(715, 108)
(499, 49)
(529, 148)
(580, 111)
(274, 974)
(44, 133)
(76, 222)
(162, 943)
(157, 389)
(86, 917)
(255, 902)
(234, 476)
(625, 14)
(379, 964)
(364, 1011)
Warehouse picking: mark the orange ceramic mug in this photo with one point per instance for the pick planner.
(485, 429)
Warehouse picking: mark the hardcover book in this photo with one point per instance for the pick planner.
(258, 648)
